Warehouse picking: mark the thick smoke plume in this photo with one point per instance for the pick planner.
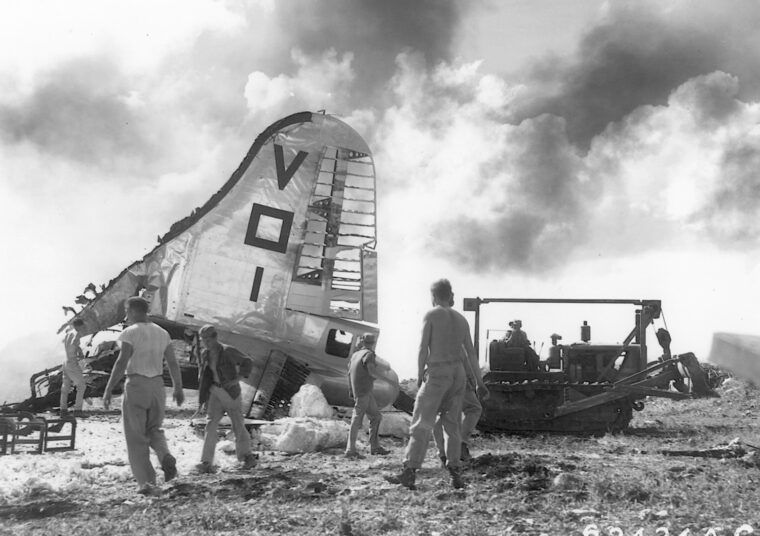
(653, 89)
(83, 111)
(638, 54)
(375, 33)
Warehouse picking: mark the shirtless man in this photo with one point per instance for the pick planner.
(442, 374)
(71, 371)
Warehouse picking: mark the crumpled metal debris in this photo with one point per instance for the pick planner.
(734, 449)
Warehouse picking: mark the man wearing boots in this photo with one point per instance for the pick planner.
(471, 411)
(221, 367)
(144, 347)
(442, 373)
(361, 376)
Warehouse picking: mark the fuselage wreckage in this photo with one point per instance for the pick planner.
(282, 260)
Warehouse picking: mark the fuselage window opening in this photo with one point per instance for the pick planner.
(339, 343)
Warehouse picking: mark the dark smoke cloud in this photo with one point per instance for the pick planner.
(544, 206)
(211, 75)
(638, 61)
(639, 54)
(80, 111)
(519, 240)
(712, 99)
(375, 32)
(732, 214)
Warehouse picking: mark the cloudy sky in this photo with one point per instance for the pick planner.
(524, 148)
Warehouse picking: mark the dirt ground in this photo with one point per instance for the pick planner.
(539, 484)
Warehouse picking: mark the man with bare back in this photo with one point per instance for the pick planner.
(444, 365)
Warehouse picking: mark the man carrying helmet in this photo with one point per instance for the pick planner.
(362, 373)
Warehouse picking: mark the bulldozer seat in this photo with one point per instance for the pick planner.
(503, 358)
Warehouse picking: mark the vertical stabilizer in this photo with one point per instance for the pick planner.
(293, 228)
(333, 269)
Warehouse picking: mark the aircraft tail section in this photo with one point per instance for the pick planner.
(336, 272)
(294, 229)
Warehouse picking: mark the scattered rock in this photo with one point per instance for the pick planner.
(316, 487)
(36, 487)
(734, 449)
(310, 435)
(227, 446)
(751, 459)
(567, 481)
(394, 423)
(677, 469)
(648, 514)
(581, 512)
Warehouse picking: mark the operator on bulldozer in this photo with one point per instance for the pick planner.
(517, 338)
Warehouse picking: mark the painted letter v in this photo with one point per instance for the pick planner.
(284, 175)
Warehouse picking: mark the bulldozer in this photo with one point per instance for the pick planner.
(583, 387)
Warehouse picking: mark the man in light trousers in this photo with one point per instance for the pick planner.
(221, 367)
(362, 373)
(471, 411)
(442, 373)
(144, 347)
(71, 372)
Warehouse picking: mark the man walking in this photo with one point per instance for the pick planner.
(144, 347)
(221, 367)
(362, 373)
(471, 411)
(441, 376)
(71, 372)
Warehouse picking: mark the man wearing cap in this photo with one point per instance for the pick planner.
(516, 337)
(144, 347)
(519, 339)
(362, 373)
(221, 367)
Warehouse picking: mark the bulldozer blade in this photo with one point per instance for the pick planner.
(656, 385)
(590, 402)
